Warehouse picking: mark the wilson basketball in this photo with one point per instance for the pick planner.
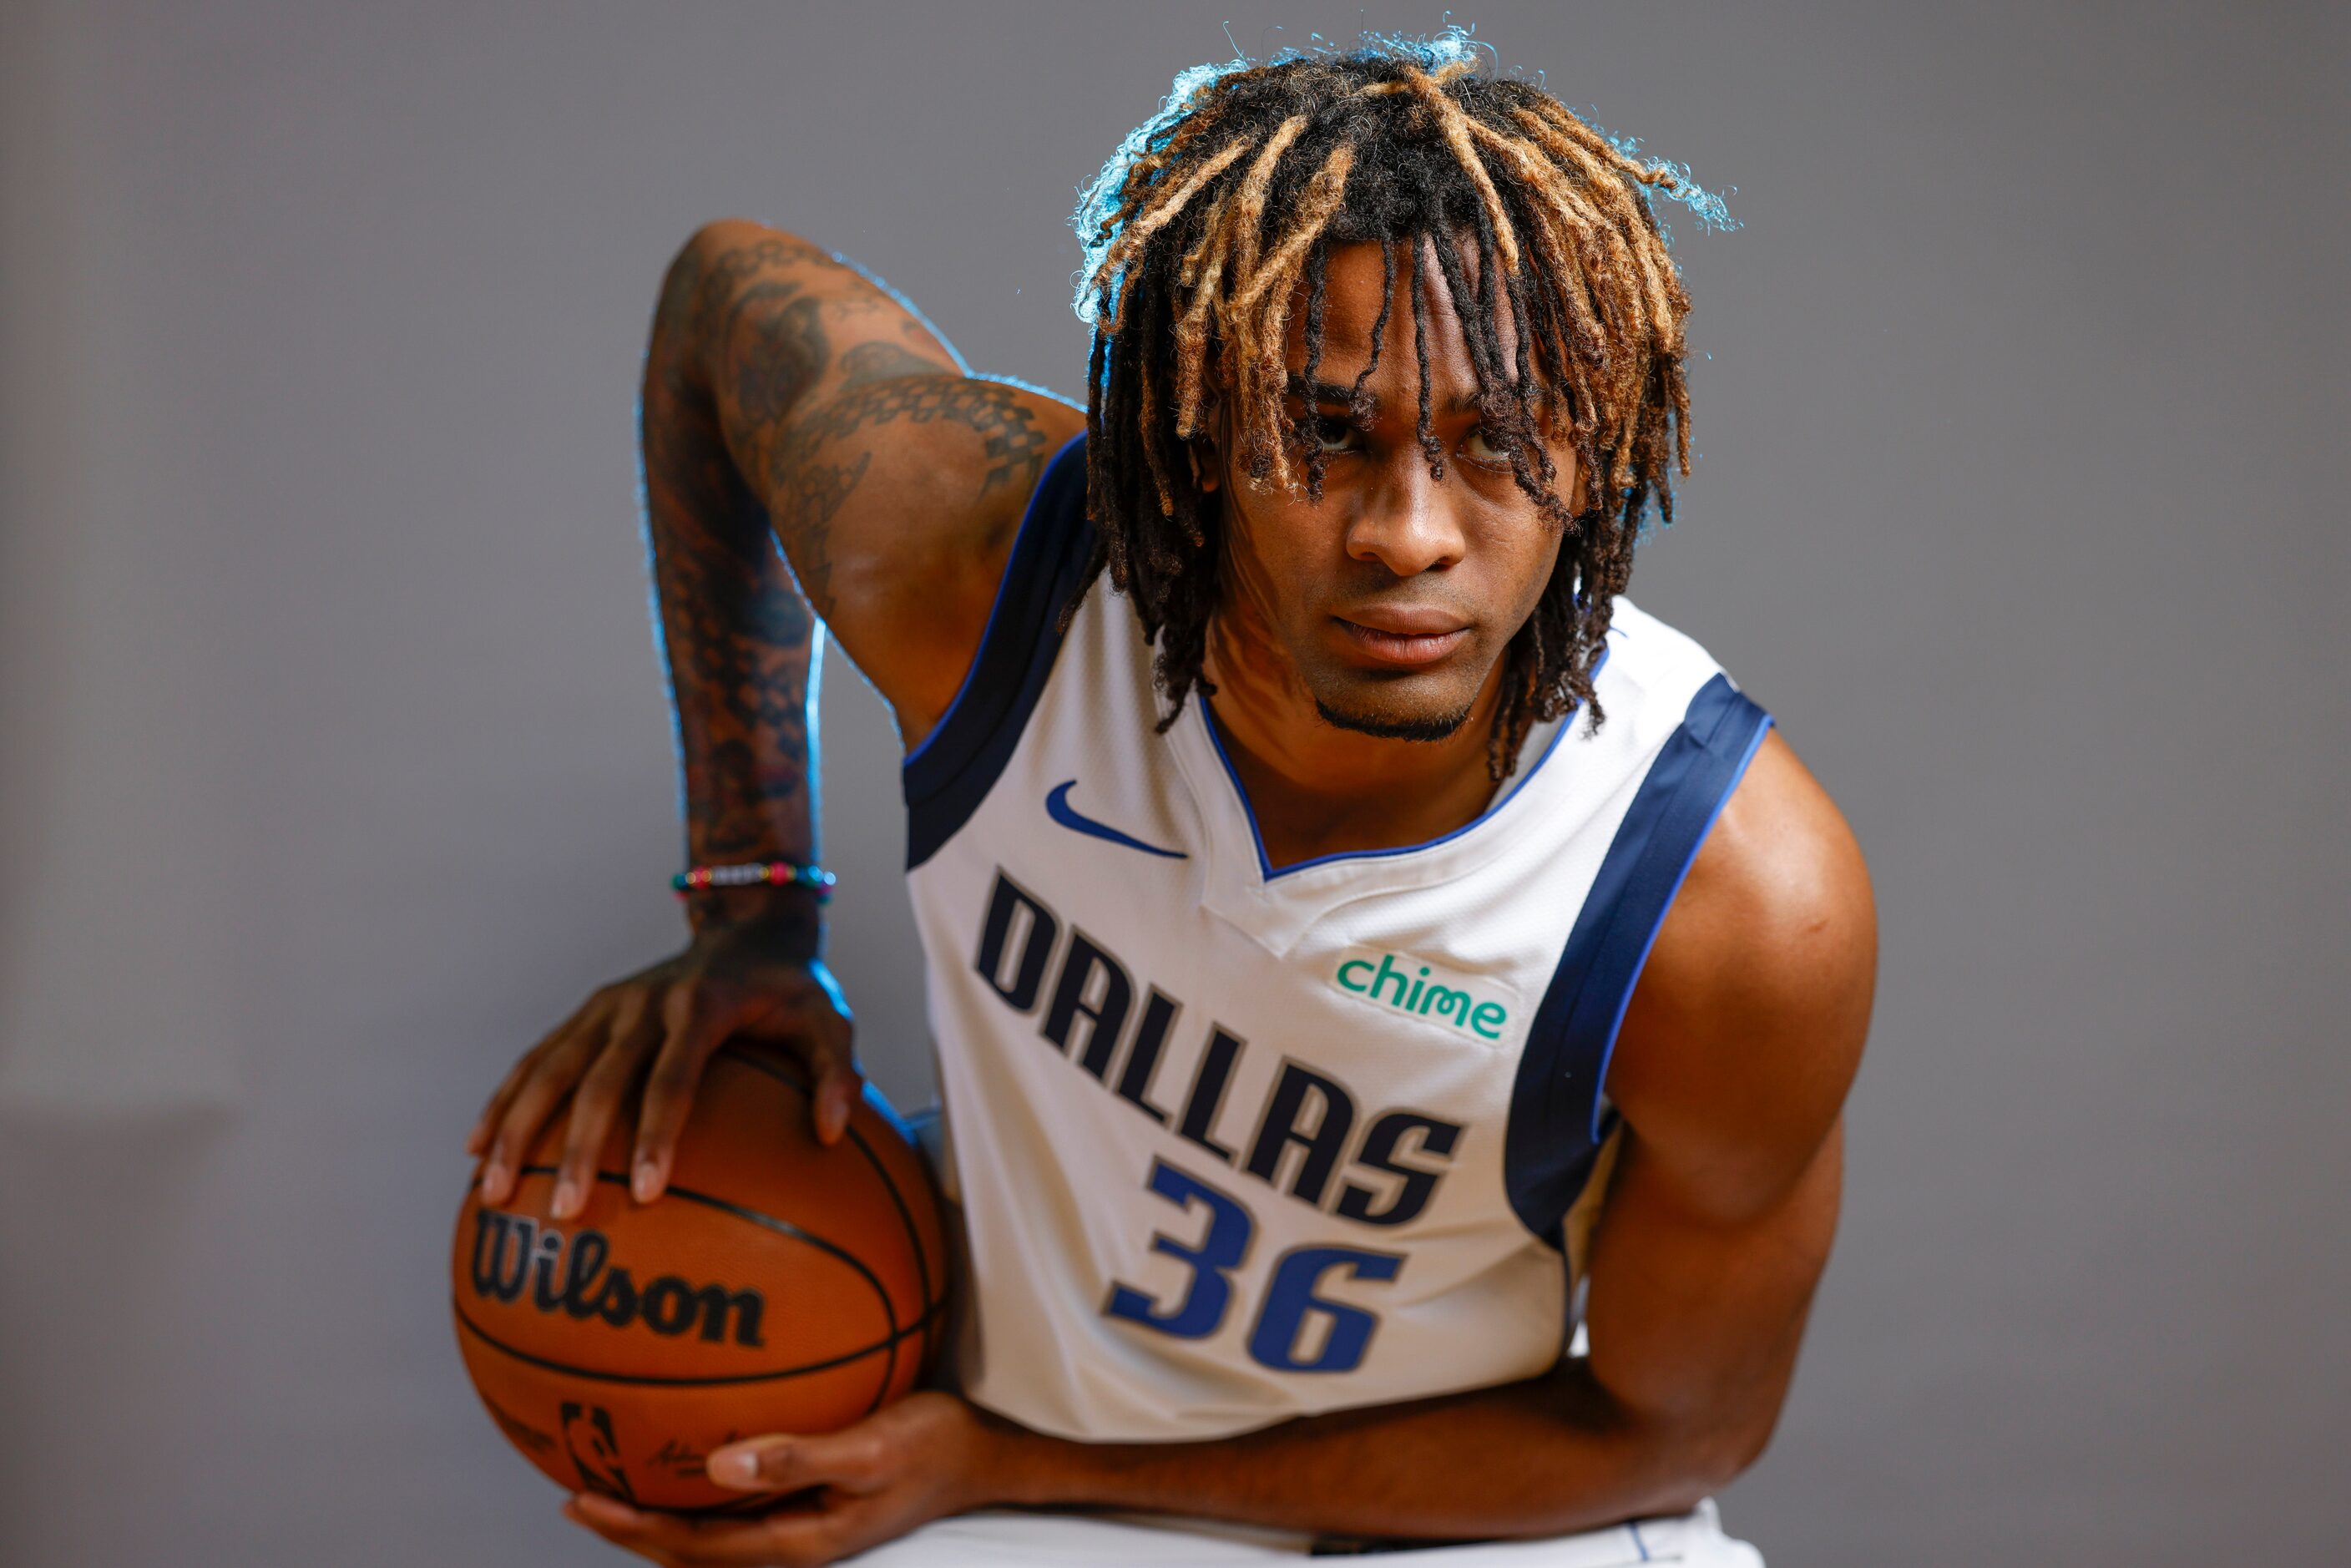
(778, 1286)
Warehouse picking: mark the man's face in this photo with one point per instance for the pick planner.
(1395, 595)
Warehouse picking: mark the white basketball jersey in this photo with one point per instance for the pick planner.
(1235, 1145)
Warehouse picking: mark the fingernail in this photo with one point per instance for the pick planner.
(736, 1466)
(494, 1180)
(646, 1186)
(567, 1198)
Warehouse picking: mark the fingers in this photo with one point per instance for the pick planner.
(618, 1524)
(855, 1460)
(693, 1027)
(823, 1039)
(478, 1140)
(791, 1534)
(819, 1023)
(597, 1102)
(838, 1087)
(675, 1014)
(553, 1072)
(820, 1036)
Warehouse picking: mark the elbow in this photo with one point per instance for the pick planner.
(694, 263)
(718, 236)
(1690, 1455)
(696, 285)
(729, 237)
(1703, 1456)
(687, 265)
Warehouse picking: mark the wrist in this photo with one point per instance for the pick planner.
(791, 918)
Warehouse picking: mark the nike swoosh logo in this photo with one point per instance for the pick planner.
(1058, 807)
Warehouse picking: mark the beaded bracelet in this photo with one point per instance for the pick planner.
(754, 873)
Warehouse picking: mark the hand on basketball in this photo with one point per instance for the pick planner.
(924, 1458)
(660, 1026)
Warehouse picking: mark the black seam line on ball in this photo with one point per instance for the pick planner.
(785, 1228)
(906, 1218)
(458, 1307)
(774, 1070)
(804, 1082)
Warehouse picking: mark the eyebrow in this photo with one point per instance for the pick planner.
(1320, 392)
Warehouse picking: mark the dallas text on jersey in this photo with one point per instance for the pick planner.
(1087, 1006)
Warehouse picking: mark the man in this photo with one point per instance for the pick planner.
(1364, 950)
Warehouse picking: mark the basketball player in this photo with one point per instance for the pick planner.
(1393, 998)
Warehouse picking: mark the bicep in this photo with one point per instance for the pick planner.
(1747, 1026)
(1730, 1074)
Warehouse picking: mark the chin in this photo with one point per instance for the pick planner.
(1437, 716)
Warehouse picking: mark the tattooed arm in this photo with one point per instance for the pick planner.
(788, 399)
(894, 481)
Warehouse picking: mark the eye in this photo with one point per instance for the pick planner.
(1332, 433)
(1478, 449)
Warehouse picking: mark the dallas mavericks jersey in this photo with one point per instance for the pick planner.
(1235, 1143)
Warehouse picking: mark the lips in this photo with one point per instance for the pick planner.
(1404, 638)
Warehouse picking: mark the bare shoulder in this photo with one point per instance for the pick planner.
(1747, 1026)
(895, 478)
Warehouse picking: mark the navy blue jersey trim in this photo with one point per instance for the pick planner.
(1557, 1110)
(949, 774)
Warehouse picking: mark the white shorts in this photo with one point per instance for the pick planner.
(1047, 1540)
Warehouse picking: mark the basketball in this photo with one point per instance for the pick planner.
(776, 1286)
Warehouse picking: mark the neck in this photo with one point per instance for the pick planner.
(1317, 790)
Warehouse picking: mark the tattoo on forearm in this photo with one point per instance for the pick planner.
(735, 630)
(737, 638)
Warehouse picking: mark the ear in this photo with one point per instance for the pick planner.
(1208, 468)
(1208, 461)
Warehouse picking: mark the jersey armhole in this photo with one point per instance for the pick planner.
(1559, 1115)
(946, 776)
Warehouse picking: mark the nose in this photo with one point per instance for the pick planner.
(1409, 522)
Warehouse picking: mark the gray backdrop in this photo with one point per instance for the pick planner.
(335, 764)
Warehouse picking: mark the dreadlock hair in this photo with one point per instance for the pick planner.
(1215, 216)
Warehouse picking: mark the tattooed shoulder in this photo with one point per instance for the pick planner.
(879, 361)
(828, 452)
(1012, 436)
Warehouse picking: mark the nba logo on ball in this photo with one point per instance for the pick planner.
(776, 1286)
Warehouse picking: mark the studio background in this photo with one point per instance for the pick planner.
(334, 763)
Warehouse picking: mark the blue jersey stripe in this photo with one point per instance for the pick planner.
(1555, 1126)
(950, 773)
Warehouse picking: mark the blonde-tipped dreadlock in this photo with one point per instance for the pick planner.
(1213, 225)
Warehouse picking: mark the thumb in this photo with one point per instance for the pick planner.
(781, 1463)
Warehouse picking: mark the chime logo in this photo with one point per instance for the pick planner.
(1399, 984)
